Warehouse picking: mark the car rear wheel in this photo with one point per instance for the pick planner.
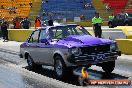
(31, 64)
(108, 67)
(61, 71)
(110, 25)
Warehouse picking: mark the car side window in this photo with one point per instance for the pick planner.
(55, 33)
(118, 16)
(122, 16)
(43, 35)
(34, 37)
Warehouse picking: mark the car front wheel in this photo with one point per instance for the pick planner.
(108, 67)
(31, 64)
(61, 71)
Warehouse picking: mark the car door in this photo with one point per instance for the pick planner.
(45, 49)
(122, 19)
(32, 46)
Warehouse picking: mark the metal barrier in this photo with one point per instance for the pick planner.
(19, 35)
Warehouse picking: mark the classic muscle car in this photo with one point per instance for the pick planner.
(67, 47)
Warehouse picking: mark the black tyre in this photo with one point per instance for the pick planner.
(61, 71)
(31, 64)
(108, 67)
(126, 24)
(110, 25)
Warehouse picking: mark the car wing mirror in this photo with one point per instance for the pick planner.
(44, 41)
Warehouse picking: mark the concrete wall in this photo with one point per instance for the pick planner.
(19, 35)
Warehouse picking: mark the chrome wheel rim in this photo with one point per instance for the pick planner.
(58, 67)
(29, 61)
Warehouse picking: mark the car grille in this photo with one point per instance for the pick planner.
(95, 49)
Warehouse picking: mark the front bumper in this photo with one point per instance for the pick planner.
(92, 59)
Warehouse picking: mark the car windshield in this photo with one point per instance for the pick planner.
(60, 32)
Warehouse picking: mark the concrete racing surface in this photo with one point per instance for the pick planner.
(18, 73)
(12, 76)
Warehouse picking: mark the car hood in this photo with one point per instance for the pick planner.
(81, 40)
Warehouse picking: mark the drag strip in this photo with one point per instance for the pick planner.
(9, 51)
(11, 56)
(13, 76)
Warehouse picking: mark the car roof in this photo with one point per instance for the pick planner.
(72, 24)
(125, 13)
(62, 25)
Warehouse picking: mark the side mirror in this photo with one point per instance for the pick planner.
(44, 41)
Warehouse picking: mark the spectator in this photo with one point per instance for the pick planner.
(16, 23)
(44, 23)
(107, 7)
(2, 7)
(12, 10)
(50, 22)
(25, 23)
(31, 4)
(46, 1)
(2, 21)
(82, 17)
(21, 4)
(91, 4)
(4, 30)
(88, 5)
(37, 22)
(0, 27)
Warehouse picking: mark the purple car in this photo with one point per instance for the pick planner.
(67, 47)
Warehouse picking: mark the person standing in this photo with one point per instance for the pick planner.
(1, 22)
(16, 23)
(110, 24)
(4, 30)
(26, 23)
(97, 22)
(0, 28)
(50, 22)
(37, 22)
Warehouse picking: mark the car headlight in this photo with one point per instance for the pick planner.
(113, 46)
(75, 51)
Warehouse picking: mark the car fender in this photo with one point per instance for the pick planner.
(61, 53)
(26, 52)
(126, 21)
